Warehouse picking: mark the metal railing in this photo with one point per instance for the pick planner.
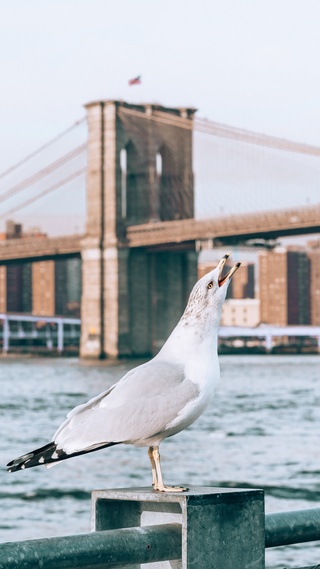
(99, 549)
(52, 331)
(287, 528)
(231, 541)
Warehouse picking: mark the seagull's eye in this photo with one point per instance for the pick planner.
(210, 284)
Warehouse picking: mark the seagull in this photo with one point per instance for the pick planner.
(154, 400)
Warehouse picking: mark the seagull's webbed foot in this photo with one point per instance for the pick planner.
(157, 480)
(164, 488)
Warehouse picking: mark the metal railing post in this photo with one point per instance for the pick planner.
(268, 342)
(6, 334)
(60, 336)
(221, 527)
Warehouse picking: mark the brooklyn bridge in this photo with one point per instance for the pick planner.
(142, 233)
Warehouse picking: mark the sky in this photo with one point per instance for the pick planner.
(247, 63)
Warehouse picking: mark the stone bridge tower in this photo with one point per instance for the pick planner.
(139, 170)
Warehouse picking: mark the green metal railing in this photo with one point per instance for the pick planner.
(220, 544)
(96, 550)
(297, 526)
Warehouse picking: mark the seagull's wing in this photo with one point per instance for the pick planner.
(142, 404)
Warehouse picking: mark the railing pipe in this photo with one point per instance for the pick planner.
(298, 526)
(96, 550)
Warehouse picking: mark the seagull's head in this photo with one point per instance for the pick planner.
(208, 295)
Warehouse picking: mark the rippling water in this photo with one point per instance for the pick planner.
(261, 430)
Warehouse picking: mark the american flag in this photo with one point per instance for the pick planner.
(135, 80)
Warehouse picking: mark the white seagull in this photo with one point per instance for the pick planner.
(154, 400)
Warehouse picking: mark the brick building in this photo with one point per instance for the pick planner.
(44, 288)
(285, 287)
(313, 252)
(43, 292)
(241, 312)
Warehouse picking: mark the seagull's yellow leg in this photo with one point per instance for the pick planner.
(153, 467)
(159, 484)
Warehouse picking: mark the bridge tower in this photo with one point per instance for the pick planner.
(139, 171)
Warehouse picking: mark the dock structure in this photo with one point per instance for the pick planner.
(223, 528)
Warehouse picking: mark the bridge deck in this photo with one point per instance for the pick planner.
(225, 230)
(228, 229)
(40, 248)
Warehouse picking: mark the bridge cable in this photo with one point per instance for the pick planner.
(41, 148)
(44, 193)
(42, 173)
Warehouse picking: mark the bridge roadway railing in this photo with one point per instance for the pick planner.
(203, 528)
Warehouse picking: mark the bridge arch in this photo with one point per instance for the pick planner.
(168, 186)
(135, 199)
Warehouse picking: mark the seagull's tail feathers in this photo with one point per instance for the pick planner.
(48, 455)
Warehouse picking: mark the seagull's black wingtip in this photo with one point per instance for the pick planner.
(48, 454)
(41, 455)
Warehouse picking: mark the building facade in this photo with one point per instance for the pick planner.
(313, 252)
(42, 288)
(284, 287)
(241, 312)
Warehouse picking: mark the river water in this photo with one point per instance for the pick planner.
(261, 431)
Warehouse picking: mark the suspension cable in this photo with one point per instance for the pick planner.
(42, 173)
(41, 148)
(44, 193)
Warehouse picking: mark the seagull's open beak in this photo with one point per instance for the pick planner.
(222, 280)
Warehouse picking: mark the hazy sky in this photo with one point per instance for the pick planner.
(247, 63)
